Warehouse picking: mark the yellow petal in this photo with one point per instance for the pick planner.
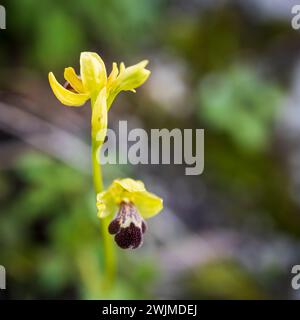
(134, 76)
(113, 75)
(128, 79)
(105, 204)
(92, 71)
(99, 117)
(65, 96)
(122, 67)
(148, 204)
(75, 82)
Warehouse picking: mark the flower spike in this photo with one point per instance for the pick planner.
(127, 198)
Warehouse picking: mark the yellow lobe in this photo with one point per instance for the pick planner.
(113, 75)
(148, 204)
(75, 82)
(105, 204)
(122, 67)
(131, 185)
(92, 71)
(65, 96)
(134, 76)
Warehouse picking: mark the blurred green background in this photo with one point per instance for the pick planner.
(230, 67)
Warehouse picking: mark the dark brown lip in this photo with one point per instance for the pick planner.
(130, 236)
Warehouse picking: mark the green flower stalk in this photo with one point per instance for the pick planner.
(127, 199)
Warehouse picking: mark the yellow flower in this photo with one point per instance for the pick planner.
(93, 79)
(94, 84)
(134, 204)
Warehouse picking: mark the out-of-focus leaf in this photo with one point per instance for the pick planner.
(223, 280)
(240, 104)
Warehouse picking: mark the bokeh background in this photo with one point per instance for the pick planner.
(230, 67)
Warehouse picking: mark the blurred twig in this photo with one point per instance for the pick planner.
(45, 137)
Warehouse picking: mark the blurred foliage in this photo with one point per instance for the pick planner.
(206, 41)
(240, 104)
(53, 32)
(254, 186)
(223, 280)
(239, 109)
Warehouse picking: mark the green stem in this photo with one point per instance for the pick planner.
(108, 245)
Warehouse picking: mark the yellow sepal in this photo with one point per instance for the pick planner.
(92, 71)
(65, 96)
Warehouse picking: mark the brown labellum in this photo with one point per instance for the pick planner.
(128, 227)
